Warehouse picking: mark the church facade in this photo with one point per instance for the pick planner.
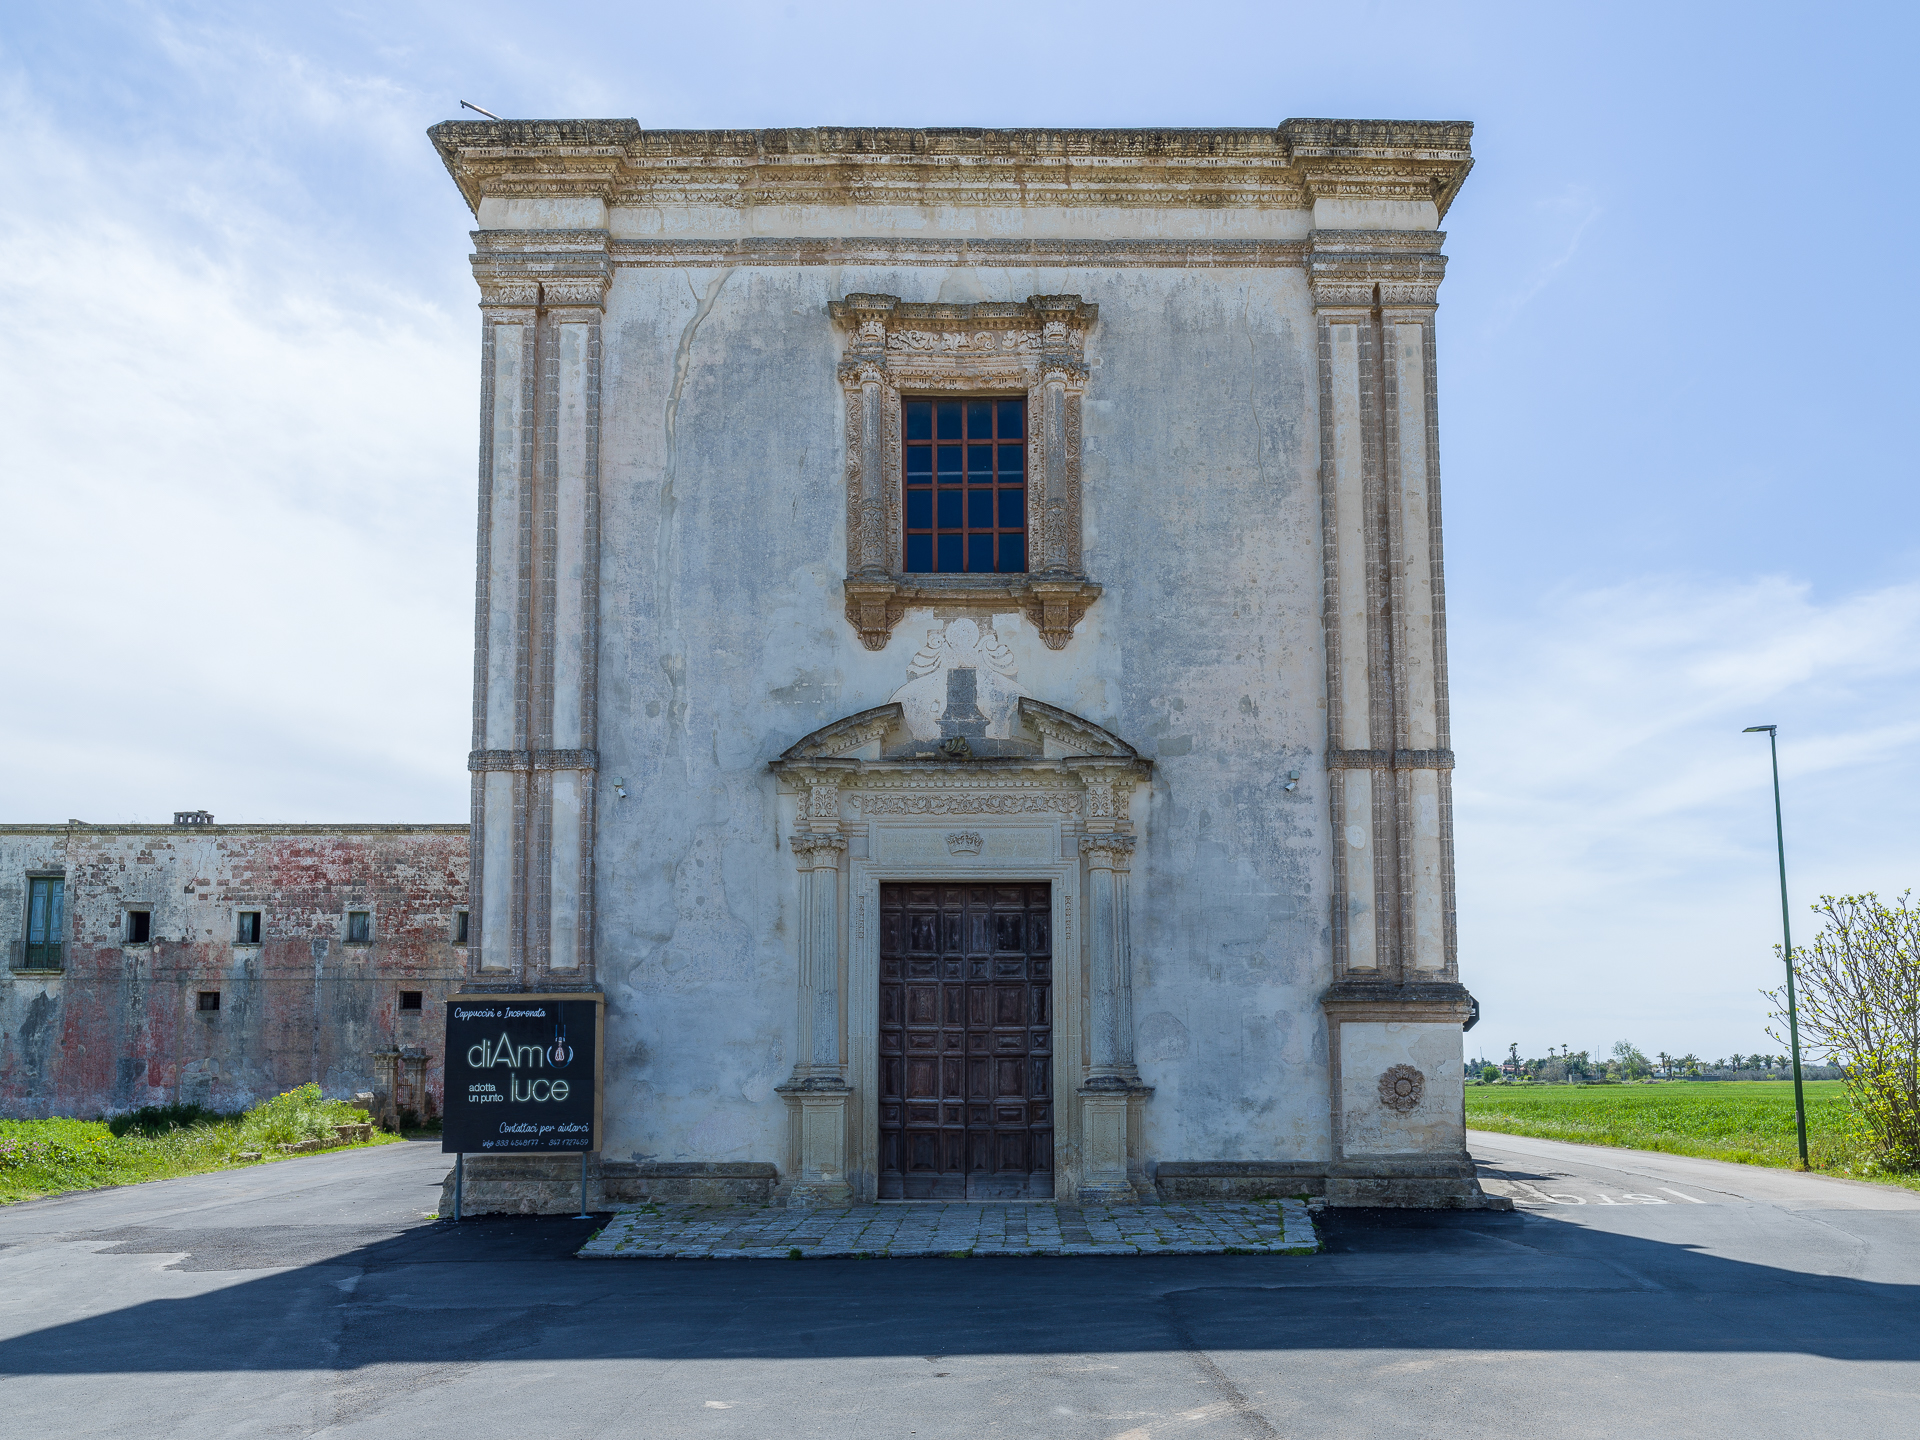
(961, 655)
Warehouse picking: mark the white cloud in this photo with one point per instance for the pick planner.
(239, 488)
(1615, 828)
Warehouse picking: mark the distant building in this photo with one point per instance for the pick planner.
(962, 650)
(221, 964)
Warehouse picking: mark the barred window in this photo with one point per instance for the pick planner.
(965, 505)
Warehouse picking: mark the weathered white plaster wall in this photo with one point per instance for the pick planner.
(724, 641)
(1368, 1049)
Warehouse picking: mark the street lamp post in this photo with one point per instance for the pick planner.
(1786, 942)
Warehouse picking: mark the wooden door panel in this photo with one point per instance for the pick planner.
(965, 1041)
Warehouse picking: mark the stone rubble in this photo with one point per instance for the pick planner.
(900, 1230)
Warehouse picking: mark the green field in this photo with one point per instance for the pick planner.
(52, 1157)
(1746, 1121)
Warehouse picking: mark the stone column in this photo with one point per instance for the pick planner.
(509, 308)
(570, 610)
(1348, 342)
(1396, 1005)
(1422, 758)
(534, 759)
(818, 1093)
(1112, 1094)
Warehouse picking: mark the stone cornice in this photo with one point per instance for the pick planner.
(1286, 167)
(108, 828)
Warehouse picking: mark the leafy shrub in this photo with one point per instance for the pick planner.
(302, 1113)
(1860, 1005)
(159, 1119)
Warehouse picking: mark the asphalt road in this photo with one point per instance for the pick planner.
(1629, 1294)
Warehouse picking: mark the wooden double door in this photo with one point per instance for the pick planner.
(966, 1041)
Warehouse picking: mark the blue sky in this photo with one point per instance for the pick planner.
(239, 375)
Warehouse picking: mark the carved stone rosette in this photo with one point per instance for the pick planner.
(1034, 347)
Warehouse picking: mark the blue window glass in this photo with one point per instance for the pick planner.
(973, 448)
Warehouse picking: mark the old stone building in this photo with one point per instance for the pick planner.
(961, 650)
(222, 964)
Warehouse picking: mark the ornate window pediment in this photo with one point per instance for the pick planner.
(1035, 348)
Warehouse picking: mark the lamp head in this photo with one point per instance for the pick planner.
(1756, 729)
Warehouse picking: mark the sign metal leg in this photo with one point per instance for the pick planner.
(583, 1215)
(459, 1182)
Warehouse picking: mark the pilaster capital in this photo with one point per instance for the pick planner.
(1107, 851)
(1363, 270)
(552, 269)
(818, 851)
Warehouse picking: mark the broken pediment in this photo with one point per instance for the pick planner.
(958, 730)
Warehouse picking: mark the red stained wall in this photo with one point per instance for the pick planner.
(121, 1027)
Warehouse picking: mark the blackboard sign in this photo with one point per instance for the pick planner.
(523, 1074)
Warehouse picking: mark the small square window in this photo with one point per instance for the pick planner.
(247, 930)
(139, 927)
(409, 999)
(209, 1000)
(359, 926)
(459, 927)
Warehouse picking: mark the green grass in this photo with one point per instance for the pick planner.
(1750, 1122)
(52, 1157)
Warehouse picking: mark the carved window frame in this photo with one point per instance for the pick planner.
(1035, 348)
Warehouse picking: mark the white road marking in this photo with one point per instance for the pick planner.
(1688, 1198)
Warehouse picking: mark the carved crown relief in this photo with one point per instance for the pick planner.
(1035, 347)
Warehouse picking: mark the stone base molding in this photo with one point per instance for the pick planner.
(1416, 1182)
(1112, 1170)
(817, 1109)
(550, 1184)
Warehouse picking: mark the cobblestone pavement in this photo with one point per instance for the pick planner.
(898, 1230)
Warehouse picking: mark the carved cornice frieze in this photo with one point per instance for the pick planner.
(1278, 168)
(1021, 254)
(1390, 760)
(530, 760)
(996, 345)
